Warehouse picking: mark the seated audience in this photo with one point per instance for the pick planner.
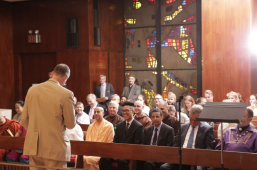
(140, 116)
(123, 99)
(81, 117)
(201, 101)
(7, 128)
(146, 109)
(171, 100)
(92, 104)
(18, 108)
(116, 98)
(232, 96)
(132, 90)
(241, 138)
(99, 131)
(167, 118)
(188, 103)
(253, 102)
(129, 131)
(208, 95)
(113, 116)
(172, 111)
(159, 134)
(157, 99)
(195, 134)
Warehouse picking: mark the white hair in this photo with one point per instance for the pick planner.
(114, 103)
(115, 95)
(195, 109)
(91, 96)
(103, 76)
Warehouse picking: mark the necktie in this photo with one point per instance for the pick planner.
(155, 137)
(191, 138)
(127, 127)
(91, 113)
(102, 91)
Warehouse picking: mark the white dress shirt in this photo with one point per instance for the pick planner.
(129, 122)
(188, 134)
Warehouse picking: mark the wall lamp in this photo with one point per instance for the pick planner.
(34, 38)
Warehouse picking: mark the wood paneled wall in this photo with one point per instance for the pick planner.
(87, 61)
(7, 84)
(225, 54)
(254, 56)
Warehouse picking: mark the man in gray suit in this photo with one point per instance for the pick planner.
(132, 91)
(195, 134)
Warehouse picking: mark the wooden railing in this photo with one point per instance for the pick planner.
(209, 158)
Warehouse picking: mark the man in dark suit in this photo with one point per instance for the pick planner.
(92, 104)
(129, 131)
(131, 91)
(195, 134)
(158, 134)
(104, 90)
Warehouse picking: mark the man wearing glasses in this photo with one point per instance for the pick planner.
(157, 99)
(129, 131)
(195, 134)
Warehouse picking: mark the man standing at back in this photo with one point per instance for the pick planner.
(131, 91)
(104, 90)
(48, 110)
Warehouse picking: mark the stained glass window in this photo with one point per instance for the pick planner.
(178, 47)
(178, 11)
(168, 2)
(136, 4)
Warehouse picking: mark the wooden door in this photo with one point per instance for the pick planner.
(35, 69)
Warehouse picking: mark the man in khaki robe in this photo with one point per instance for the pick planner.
(99, 131)
(113, 116)
(48, 111)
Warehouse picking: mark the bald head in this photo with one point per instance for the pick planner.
(139, 106)
(98, 114)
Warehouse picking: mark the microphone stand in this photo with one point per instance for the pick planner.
(179, 134)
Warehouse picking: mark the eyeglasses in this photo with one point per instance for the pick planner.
(192, 120)
(126, 110)
(97, 111)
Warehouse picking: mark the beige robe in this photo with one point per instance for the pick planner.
(102, 132)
